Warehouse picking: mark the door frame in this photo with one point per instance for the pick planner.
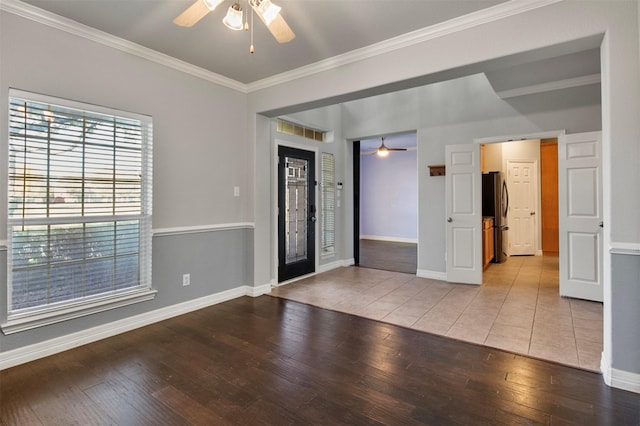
(274, 202)
(521, 137)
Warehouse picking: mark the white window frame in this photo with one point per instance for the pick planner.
(16, 320)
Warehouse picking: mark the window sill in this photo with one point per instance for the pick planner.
(23, 321)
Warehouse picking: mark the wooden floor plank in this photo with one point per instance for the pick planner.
(276, 362)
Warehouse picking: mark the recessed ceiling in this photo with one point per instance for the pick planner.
(323, 28)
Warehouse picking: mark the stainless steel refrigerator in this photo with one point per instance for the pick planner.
(495, 204)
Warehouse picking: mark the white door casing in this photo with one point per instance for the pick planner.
(580, 215)
(463, 188)
(522, 181)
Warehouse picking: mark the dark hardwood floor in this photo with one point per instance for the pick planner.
(389, 256)
(271, 361)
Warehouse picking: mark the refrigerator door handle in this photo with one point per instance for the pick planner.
(505, 198)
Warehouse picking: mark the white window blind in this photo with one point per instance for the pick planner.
(79, 191)
(328, 187)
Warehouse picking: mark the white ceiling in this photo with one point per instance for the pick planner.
(323, 28)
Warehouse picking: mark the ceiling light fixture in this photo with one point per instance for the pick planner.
(233, 19)
(383, 151)
(236, 20)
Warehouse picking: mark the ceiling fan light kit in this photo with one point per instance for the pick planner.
(383, 151)
(234, 19)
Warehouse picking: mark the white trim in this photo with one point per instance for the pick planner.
(330, 266)
(391, 239)
(619, 379)
(550, 86)
(72, 27)
(452, 26)
(258, 291)
(521, 137)
(30, 320)
(480, 17)
(49, 347)
(632, 249)
(161, 232)
(434, 275)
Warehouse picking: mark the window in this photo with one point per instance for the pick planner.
(328, 187)
(79, 219)
(290, 128)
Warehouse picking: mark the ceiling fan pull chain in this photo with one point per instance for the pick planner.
(251, 49)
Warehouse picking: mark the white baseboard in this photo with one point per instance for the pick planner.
(259, 290)
(348, 262)
(329, 266)
(618, 378)
(434, 275)
(391, 239)
(59, 344)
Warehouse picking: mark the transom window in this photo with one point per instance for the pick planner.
(79, 218)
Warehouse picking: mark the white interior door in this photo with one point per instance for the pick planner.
(522, 181)
(580, 215)
(463, 188)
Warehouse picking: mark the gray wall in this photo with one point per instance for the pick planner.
(200, 154)
(625, 280)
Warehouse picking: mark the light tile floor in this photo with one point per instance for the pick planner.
(517, 308)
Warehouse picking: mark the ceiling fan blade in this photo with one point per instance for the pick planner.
(396, 149)
(281, 30)
(198, 10)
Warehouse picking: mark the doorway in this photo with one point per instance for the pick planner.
(385, 203)
(296, 213)
(530, 169)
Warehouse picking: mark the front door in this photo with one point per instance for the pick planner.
(522, 181)
(296, 213)
(463, 189)
(580, 215)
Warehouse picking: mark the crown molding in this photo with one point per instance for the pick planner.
(491, 14)
(44, 17)
(494, 13)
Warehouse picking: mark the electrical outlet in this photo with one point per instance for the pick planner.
(236, 191)
(186, 279)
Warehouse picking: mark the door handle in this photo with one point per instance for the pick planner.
(313, 219)
(532, 213)
(601, 224)
(449, 220)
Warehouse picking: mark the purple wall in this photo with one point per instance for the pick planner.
(389, 196)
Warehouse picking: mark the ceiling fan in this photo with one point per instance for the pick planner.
(383, 151)
(268, 12)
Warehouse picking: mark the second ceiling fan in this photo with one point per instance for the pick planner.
(383, 150)
(268, 13)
